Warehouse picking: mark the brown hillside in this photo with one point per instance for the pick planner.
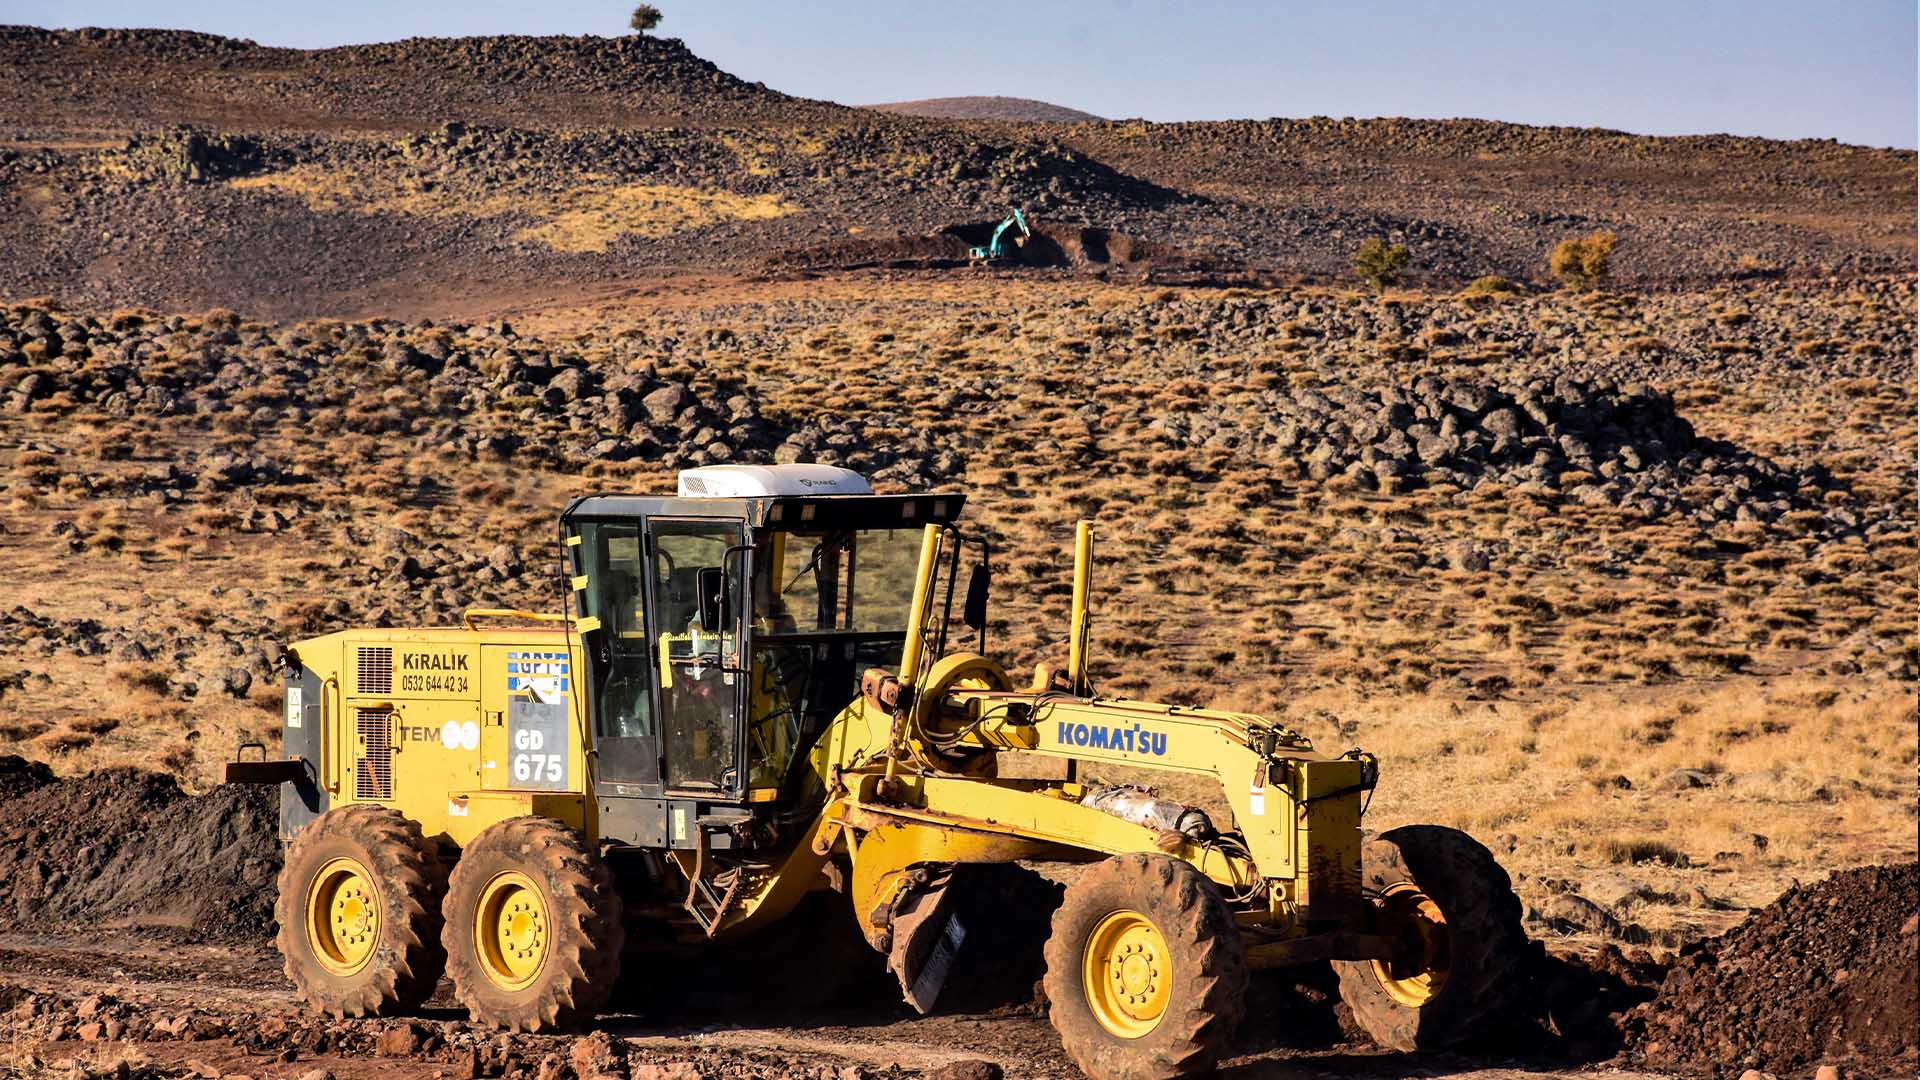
(986, 108)
(430, 174)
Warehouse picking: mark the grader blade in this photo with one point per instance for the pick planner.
(926, 938)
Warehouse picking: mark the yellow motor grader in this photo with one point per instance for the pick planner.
(763, 690)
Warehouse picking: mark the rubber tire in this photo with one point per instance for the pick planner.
(1210, 969)
(1487, 948)
(584, 958)
(411, 880)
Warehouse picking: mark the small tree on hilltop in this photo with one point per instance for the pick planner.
(1380, 263)
(645, 18)
(1583, 263)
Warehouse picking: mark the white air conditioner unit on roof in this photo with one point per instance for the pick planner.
(756, 481)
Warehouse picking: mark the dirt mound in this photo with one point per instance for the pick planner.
(122, 847)
(986, 108)
(1052, 245)
(1826, 973)
(19, 776)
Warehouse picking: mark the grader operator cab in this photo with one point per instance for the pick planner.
(774, 683)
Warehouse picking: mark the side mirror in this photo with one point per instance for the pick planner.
(712, 586)
(974, 614)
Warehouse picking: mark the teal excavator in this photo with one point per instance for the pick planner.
(996, 250)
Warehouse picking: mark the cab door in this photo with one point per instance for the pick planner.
(696, 563)
(612, 570)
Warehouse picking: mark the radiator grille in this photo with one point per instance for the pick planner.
(374, 669)
(374, 780)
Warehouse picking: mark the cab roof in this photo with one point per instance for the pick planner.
(791, 495)
(778, 511)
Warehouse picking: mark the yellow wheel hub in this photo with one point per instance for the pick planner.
(1127, 972)
(513, 931)
(343, 916)
(1419, 978)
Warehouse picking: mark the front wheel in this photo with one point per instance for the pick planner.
(1453, 908)
(1145, 971)
(533, 930)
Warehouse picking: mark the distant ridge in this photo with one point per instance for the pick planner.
(134, 79)
(986, 108)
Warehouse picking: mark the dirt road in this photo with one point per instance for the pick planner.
(198, 1010)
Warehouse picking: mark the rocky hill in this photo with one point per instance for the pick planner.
(424, 176)
(116, 81)
(986, 108)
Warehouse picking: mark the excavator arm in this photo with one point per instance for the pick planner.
(995, 248)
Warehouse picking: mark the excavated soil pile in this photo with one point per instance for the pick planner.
(1592, 442)
(122, 847)
(1827, 973)
(19, 776)
(1078, 247)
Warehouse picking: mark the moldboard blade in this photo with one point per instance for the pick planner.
(926, 937)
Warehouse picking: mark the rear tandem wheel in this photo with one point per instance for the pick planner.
(533, 931)
(359, 913)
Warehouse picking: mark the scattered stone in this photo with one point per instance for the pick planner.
(402, 1040)
(1573, 913)
(1684, 780)
(671, 1070)
(971, 1069)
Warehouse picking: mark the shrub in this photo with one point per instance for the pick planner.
(1380, 263)
(645, 18)
(1491, 285)
(1583, 263)
(1635, 850)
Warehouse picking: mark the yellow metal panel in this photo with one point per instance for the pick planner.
(448, 727)
(884, 853)
(479, 809)
(1329, 832)
(492, 773)
(1165, 738)
(433, 747)
(1038, 813)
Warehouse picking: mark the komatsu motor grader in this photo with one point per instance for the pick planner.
(762, 691)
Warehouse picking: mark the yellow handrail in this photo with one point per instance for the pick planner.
(330, 762)
(508, 613)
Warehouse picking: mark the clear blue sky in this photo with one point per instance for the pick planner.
(1840, 69)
